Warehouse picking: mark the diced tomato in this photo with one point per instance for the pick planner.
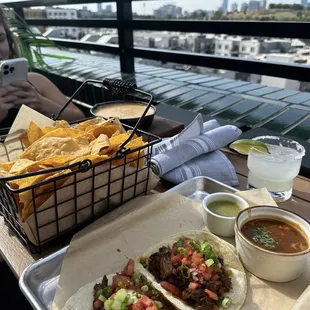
(202, 267)
(147, 302)
(215, 277)
(171, 288)
(186, 260)
(138, 306)
(112, 296)
(176, 259)
(98, 304)
(119, 281)
(206, 276)
(130, 268)
(189, 250)
(193, 285)
(209, 270)
(211, 294)
(196, 258)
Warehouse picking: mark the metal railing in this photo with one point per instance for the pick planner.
(127, 52)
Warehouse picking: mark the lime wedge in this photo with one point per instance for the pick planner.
(243, 146)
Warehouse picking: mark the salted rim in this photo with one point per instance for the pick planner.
(267, 251)
(299, 148)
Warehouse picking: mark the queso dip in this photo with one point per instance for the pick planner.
(123, 110)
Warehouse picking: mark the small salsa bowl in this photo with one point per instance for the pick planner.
(218, 224)
(266, 264)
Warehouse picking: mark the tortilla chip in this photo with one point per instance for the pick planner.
(48, 129)
(68, 133)
(56, 146)
(56, 161)
(93, 158)
(24, 139)
(62, 124)
(26, 197)
(20, 164)
(85, 124)
(7, 166)
(34, 132)
(116, 133)
(100, 146)
(4, 173)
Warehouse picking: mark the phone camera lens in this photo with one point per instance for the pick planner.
(6, 72)
(6, 67)
(12, 69)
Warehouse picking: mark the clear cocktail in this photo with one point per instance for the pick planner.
(277, 169)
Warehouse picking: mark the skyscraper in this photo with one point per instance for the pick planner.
(304, 2)
(234, 7)
(99, 7)
(263, 4)
(224, 7)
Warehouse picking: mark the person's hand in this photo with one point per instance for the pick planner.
(27, 94)
(7, 99)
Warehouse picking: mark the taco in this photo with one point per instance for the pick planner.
(127, 290)
(196, 270)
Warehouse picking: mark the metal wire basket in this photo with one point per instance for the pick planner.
(77, 194)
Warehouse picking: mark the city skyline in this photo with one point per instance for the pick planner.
(187, 5)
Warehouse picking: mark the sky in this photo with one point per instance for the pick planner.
(187, 5)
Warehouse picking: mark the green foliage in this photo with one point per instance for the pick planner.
(293, 7)
(29, 44)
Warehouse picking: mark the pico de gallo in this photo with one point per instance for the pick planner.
(129, 290)
(192, 271)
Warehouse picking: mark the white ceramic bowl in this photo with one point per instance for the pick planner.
(268, 265)
(221, 225)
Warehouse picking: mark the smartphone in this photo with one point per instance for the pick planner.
(13, 70)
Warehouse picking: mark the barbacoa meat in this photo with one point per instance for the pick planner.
(180, 274)
(160, 264)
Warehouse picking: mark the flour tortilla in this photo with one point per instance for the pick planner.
(83, 298)
(221, 248)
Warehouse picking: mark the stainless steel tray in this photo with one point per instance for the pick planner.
(39, 281)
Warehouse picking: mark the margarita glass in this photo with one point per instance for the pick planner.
(277, 169)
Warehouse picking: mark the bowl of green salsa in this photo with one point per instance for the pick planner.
(220, 211)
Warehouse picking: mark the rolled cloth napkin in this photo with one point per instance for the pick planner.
(194, 129)
(214, 165)
(194, 147)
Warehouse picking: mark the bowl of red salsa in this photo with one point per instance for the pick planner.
(272, 243)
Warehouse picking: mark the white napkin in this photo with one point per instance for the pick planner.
(194, 129)
(214, 165)
(187, 150)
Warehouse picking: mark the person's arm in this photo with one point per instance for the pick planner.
(53, 99)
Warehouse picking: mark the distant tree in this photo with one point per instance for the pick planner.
(217, 15)
(299, 14)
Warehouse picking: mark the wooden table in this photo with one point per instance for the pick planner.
(18, 257)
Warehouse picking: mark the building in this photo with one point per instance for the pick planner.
(304, 3)
(168, 10)
(254, 5)
(227, 45)
(244, 7)
(234, 7)
(34, 13)
(224, 7)
(263, 4)
(204, 44)
(63, 32)
(84, 13)
(250, 48)
(99, 7)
